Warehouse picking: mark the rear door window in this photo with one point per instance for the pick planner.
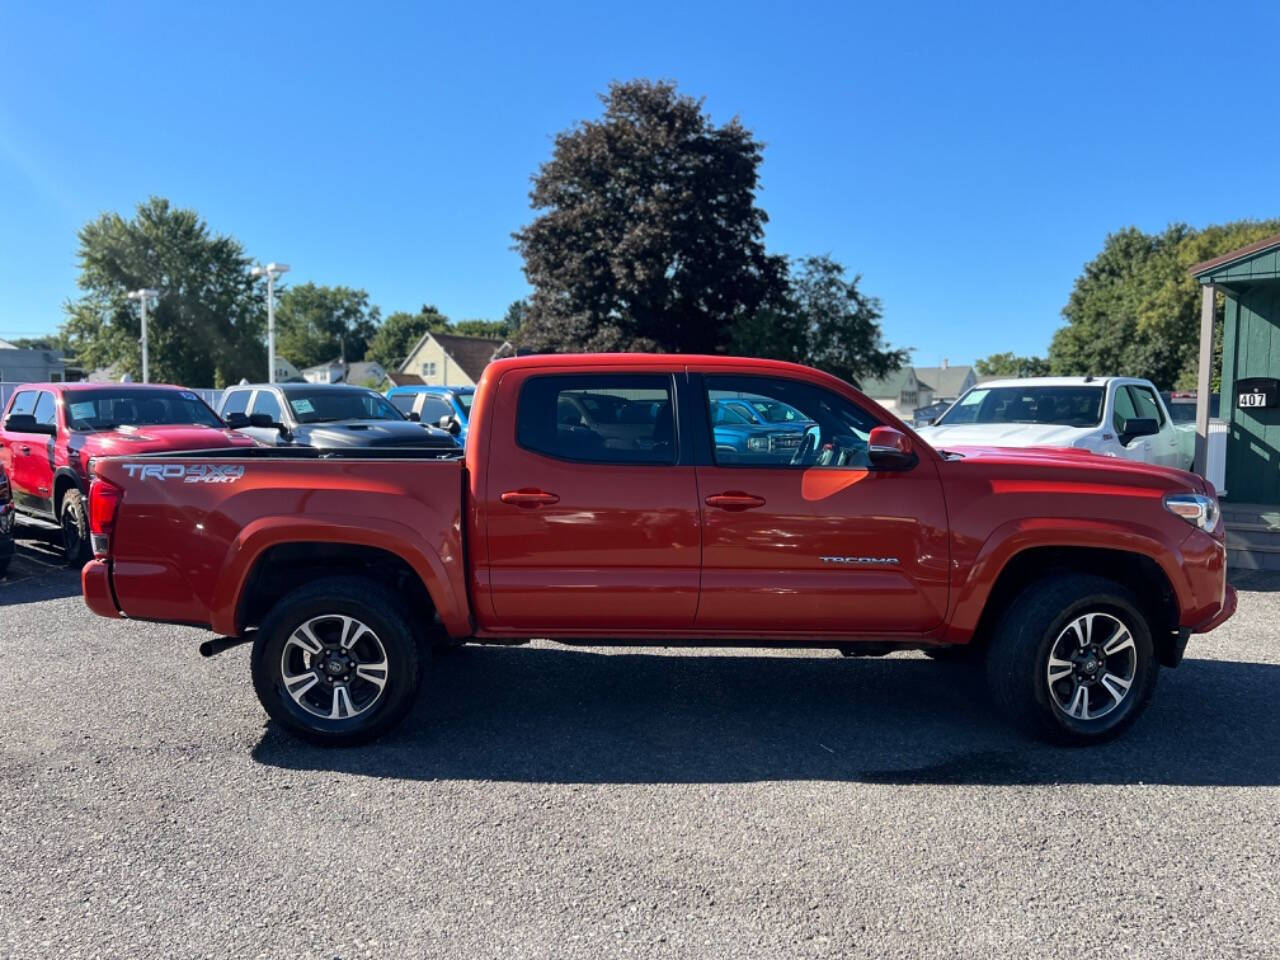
(598, 418)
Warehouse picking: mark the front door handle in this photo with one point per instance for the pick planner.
(734, 500)
(24, 449)
(529, 498)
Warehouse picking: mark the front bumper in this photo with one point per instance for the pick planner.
(95, 584)
(1223, 615)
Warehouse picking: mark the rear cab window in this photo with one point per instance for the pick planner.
(598, 418)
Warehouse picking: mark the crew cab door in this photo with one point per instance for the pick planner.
(803, 534)
(590, 514)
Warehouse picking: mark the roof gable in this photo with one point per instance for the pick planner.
(949, 380)
(1256, 261)
(472, 354)
(892, 384)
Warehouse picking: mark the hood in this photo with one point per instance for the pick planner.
(124, 441)
(372, 433)
(1003, 435)
(1084, 464)
(183, 436)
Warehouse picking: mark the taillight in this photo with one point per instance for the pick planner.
(104, 503)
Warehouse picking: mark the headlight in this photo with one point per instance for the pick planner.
(1194, 508)
(757, 443)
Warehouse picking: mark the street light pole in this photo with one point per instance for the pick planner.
(271, 271)
(142, 296)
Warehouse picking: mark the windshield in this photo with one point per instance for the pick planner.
(1060, 406)
(91, 410)
(326, 406)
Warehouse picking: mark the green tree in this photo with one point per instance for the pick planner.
(493, 329)
(393, 340)
(515, 316)
(647, 234)
(822, 319)
(1135, 310)
(1011, 365)
(205, 328)
(316, 324)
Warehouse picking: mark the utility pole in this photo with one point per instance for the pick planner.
(143, 296)
(271, 271)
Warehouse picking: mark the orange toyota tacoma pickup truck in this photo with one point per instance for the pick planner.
(618, 498)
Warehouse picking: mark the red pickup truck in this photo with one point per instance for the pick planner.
(594, 504)
(50, 432)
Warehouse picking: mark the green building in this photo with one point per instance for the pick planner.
(1249, 280)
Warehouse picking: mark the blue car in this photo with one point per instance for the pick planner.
(751, 429)
(445, 407)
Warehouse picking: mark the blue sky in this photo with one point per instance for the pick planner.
(966, 160)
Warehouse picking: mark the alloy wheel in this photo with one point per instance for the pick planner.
(1092, 666)
(334, 667)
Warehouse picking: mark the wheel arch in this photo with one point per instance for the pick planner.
(64, 479)
(278, 553)
(1137, 571)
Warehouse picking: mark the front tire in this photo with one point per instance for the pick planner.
(1072, 660)
(336, 662)
(75, 529)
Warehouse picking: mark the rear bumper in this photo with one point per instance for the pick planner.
(95, 584)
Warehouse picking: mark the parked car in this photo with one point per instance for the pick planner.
(1075, 577)
(749, 429)
(1113, 416)
(6, 522)
(448, 408)
(327, 416)
(1182, 411)
(1182, 407)
(51, 431)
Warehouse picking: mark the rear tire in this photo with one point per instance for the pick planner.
(336, 662)
(75, 529)
(1072, 660)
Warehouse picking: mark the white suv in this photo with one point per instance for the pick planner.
(1113, 416)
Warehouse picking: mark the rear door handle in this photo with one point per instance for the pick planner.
(529, 498)
(735, 500)
(24, 449)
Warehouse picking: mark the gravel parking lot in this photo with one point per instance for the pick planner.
(554, 802)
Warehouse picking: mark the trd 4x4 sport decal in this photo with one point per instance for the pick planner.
(194, 473)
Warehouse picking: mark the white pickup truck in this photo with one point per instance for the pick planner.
(1113, 416)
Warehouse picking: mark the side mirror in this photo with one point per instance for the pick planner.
(264, 421)
(450, 423)
(236, 420)
(889, 447)
(1138, 427)
(415, 416)
(26, 423)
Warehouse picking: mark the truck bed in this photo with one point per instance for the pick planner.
(188, 528)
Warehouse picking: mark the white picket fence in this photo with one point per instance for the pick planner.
(208, 395)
